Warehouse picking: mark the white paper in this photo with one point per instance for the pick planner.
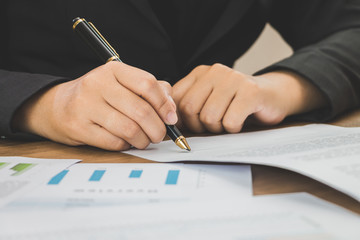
(327, 153)
(281, 217)
(89, 185)
(19, 175)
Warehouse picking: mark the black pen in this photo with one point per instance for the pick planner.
(107, 53)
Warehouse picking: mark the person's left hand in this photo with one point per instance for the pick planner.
(217, 98)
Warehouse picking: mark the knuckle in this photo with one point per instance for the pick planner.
(201, 68)
(131, 130)
(231, 125)
(117, 145)
(159, 135)
(219, 66)
(208, 118)
(149, 82)
(165, 84)
(142, 112)
(187, 108)
(143, 145)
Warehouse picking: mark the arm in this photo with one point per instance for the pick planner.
(113, 107)
(218, 98)
(319, 81)
(15, 89)
(324, 35)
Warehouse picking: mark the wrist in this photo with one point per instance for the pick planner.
(28, 117)
(288, 93)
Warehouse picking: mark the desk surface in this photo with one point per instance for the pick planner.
(266, 180)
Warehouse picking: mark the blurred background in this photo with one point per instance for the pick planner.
(269, 48)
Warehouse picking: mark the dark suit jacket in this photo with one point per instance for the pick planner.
(38, 48)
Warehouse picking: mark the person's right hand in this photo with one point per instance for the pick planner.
(113, 107)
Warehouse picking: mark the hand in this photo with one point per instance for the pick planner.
(112, 107)
(218, 98)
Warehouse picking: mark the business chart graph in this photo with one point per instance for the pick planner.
(118, 184)
(9, 174)
(96, 176)
(3, 164)
(14, 169)
(18, 175)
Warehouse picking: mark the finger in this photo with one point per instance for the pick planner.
(240, 108)
(95, 135)
(194, 100)
(182, 86)
(168, 90)
(146, 86)
(136, 109)
(121, 126)
(216, 105)
(191, 104)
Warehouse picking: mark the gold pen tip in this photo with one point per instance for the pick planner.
(182, 143)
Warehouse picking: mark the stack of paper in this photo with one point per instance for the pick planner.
(93, 185)
(187, 201)
(172, 201)
(326, 153)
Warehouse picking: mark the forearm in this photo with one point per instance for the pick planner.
(295, 93)
(324, 36)
(15, 89)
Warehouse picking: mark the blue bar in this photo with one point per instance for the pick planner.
(172, 177)
(57, 178)
(97, 175)
(135, 174)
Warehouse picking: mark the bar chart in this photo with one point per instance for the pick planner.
(88, 185)
(18, 175)
(171, 178)
(58, 177)
(14, 169)
(3, 164)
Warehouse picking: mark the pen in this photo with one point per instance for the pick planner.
(88, 32)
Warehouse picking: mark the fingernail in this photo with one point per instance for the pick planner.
(171, 118)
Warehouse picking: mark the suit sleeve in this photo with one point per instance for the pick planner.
(325, 37)
(15, 89)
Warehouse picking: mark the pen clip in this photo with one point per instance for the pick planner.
(95, 29)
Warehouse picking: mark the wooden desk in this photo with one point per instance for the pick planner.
(266, 180)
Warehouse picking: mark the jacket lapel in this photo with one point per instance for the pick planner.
(231, 15)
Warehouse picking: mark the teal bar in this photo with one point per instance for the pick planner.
(57, 178)
(97, 175)
(135, 174)
(172, 177)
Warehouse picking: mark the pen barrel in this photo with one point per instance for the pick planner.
(88, 32)
(173, 132)
(94, 40)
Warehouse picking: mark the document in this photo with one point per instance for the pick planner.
(19, 175)
(93, 185)
(326, 153)
(288, 216)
